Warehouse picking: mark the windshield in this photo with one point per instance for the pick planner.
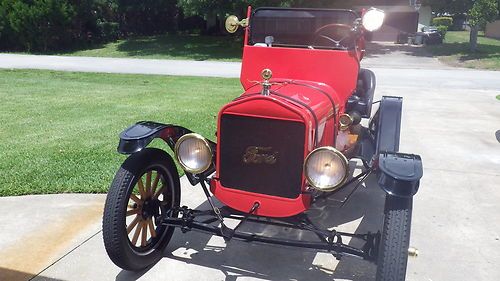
(301, 27)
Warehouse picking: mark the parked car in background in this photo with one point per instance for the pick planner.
(431, 35)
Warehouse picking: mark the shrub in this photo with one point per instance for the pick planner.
(147, 17)
(41, 25)
(443, 21)
(442, 29)
(38, 24)
(192, 23)
(3, 16)
(108, 31)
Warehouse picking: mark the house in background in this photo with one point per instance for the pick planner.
(493, 30)
(401, 17)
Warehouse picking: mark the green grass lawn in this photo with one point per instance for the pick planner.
(455, 51)
(59, 130)
(181, 47)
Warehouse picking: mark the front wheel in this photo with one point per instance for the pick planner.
(145, 188)
(393, 252)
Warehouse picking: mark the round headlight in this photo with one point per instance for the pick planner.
(373, 19)
(326, 168)
(193, 153)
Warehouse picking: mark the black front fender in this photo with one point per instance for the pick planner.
(382, 133)
(389, 124)
(138, 136)
(398, 173)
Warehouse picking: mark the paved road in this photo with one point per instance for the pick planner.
(393, 67)
(450, 118)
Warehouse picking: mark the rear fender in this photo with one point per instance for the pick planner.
(138, 136)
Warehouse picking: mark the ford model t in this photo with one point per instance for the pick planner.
(283, 144)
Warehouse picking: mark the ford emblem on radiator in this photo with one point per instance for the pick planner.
(260, 155)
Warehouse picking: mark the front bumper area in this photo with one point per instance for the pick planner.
(270, 206)
(328, 240)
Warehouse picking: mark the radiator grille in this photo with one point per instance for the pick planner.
(261, 155)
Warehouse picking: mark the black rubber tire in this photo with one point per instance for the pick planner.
(393, 251)
(116, 240)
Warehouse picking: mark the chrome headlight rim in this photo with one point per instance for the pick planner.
(327, 188)
(177, 155)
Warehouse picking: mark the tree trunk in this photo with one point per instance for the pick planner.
(473, 37)
(211, 20)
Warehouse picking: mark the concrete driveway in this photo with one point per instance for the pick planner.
(450, 118)
(122, 65)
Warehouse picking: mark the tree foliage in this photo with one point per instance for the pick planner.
(147, 16)
(450, 7)
(40, 25)
(223, 7)
(482, 12)
(37, 24)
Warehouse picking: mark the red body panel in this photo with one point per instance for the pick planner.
(338, 69)
(305, 84)
(252, 103)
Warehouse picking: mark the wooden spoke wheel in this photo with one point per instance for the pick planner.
(145, 188)
(146, 203)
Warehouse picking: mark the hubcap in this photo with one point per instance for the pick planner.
(150, 208)
(143, 208)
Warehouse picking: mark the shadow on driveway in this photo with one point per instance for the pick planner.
(361, 214)
(14, 275)
(193, 47)
(378, 49)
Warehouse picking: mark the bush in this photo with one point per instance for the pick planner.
(36, 25)
(192, 23)
(147, 17)
(42, 25)
(108, 31)
(442, 29)
(3, 16)
(443, 21)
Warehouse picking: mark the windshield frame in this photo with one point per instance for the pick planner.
(310, 46)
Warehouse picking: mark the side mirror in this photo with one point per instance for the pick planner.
(232, 23)
(373, 19)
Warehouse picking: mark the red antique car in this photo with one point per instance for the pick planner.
(282, 145)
